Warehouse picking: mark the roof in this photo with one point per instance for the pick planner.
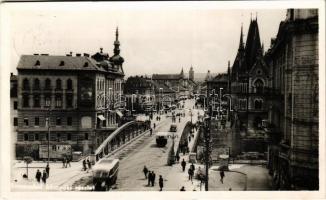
(166, 76)
(220, 78)
(54, 62)
(105, 164)
(165, 88)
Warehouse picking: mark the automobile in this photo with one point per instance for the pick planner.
(105, 174)
(173, 128)
(162, 139)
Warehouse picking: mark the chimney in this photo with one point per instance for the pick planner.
(11, 74)
(78, 54)
(86, 54)
(44, 54)
(68, 54)
(35, 54)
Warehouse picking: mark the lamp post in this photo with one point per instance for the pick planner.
(161, 99)
(48, 125)
(132, 103)
(220, 102)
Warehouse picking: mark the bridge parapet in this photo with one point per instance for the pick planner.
(119, 137)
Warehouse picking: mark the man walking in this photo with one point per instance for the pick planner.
(44, 176)
(150, 131)
(149, 177)
(47, 170)
(153, 179)
(145, 170)
(89, 164)
(38, 176)
(183, 164)
(222, 176)
(192, 166)
(84, 165)
(190, 174)
(160, 182)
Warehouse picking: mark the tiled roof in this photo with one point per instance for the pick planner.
(220, 78)
(58, 63)
(166, 76)
(157, 87)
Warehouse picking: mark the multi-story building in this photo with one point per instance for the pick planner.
(250, 81)
(13, 111)
(177, 82)
(293, 58)
(72, 102)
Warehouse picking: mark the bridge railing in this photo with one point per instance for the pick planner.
(119, 137)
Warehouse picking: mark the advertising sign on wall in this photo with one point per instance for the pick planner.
(56, 151)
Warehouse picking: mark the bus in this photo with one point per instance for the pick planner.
(162, 139)
(105, 174)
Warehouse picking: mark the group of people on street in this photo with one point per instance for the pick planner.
(43, 176)
(87, 163)
(150, 176)
(66, 162)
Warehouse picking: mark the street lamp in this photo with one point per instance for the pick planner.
(47, 121)
(132, 103)
(220, 102)
(161, 98)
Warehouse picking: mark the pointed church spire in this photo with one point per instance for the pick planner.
(116, 43)
(241, 45)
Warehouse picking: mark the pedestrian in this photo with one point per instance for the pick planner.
(38, 176)
(64, 162)
(184, 150)
(150, 131)
(89, 164)
(183, 189)
(149, 178)
(145, 170)
(160, 182)
(183, 164)
(44, 176)
(192, 166)
(222, 176)
(190, 174)
(84, 165)
(189, 138)
(179, 119)
(156, 118)
(177, 157)
(47, 170)
(154, 125)
(153, 179)
(68, 162)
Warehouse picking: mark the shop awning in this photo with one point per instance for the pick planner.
(119, 113)
(101, 117)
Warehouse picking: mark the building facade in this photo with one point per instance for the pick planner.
(293, 116)
(67, 103)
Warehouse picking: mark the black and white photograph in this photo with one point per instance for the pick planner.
(193, 97)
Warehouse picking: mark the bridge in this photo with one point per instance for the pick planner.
(120, 137)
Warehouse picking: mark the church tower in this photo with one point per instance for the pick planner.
(191, 74)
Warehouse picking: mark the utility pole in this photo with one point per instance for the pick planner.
(207, 132)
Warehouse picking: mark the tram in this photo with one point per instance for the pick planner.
(162, 139)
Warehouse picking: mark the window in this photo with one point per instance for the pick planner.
(68, 136)
(48, 84)
(58, 84)
(58, 121)
(69, 84)
(86, 136)
(25, 84)
(37, 63)
(69, 121)
(58, 136)
(15, 105)
(259, 86)
(243, 104)
(62, 63)
(37, 121)
(25, 136)
(58, 101)
(47, 101)
(25, 121)
(37, 101)
(25, 100)
(69, 99)
(258, 104)
(36, 85)
(15, 121)
(36, 136)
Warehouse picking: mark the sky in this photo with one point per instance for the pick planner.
(154, 38)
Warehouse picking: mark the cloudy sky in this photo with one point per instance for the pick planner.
(155, 38)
